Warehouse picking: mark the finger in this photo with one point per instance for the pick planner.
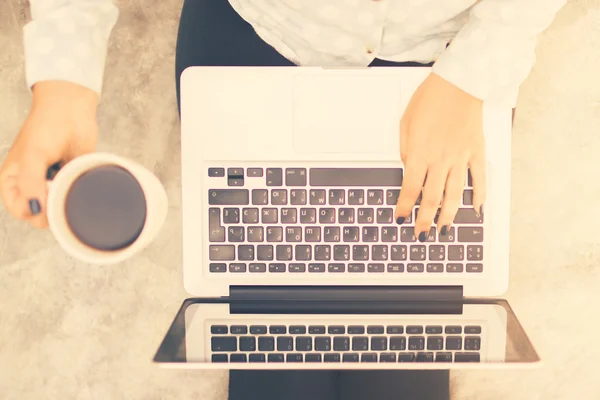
(33, 190)
(478, 176)
(430, 203)
(414, 175)
(9, 191)
(455, 185)
(403, 140)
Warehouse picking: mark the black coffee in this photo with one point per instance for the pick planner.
(106, 208)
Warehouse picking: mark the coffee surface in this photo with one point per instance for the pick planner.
(106, 208)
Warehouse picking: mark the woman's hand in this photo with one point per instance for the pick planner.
(61, 125)
(441, 137)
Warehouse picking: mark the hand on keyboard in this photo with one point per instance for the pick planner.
(441, 136)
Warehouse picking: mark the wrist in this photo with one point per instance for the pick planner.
(64, 95)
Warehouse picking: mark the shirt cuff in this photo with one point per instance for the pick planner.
(69, 44)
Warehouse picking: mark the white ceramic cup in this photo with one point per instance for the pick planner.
(58, 189)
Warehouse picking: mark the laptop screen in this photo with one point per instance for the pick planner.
(466, 334)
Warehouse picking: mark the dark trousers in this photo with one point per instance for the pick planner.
(211, 33)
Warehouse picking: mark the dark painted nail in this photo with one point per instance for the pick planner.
(444, 230)
(422, 237)
(400, 220)
(53, 170)
(34, 206)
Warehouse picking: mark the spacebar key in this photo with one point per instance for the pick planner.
(356, 177)
(228, 197)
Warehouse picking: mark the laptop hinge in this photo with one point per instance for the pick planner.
(345, 299)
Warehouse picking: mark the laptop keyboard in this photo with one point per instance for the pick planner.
(329, 220)
(347, 344)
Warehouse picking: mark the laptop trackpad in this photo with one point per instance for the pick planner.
(347, 113)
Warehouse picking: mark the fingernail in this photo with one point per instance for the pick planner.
(34, 207)
(53, 170)
(400, 220)
(481, 209)
(422, 237)
(444, 230)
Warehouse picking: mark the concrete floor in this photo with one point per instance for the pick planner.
(70, 331)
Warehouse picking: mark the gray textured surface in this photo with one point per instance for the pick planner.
(69, 331)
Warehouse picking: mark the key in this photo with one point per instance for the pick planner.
(235, 172)
(346, 215)
(414, 330)
(295, 267)
(231, 215)
(269, 215)
(322, 343)
(467, 216)
(216, 233)
(250, 215)
(279, 197)
(219, 358)
(264, 252)
(466, 357)
(395, 267)
(453, 330)
(449, 237)
(418, 252)
(304, 343)
(472, 330)
(235, 234)
(443, 357)
(294, 358)
(468, 197)
(435, 267)
(351, 233)
(354, 267)
(435, 343)
(285, 343)
(337, 197)
(395, 329)
(360, 343)
(219, 329)
(283, 252)
(221, 253)
(398, 343)
(416, 343)
(392, 197)
(235, 181)
(255, 234)
(376, 268)
(425, 357)
(308, 216)
(336, 267)
(375, 329)
(341, 343)
(254, 172)
(217, 267)
(389, 234)
(274, 177)
(360, 253)
(303, 252)
(368, 357)
(258, 329)
(356, 330)
(370, 234)
(454, 343)
(223, 343)
(276, 267)
(350, 357)
(366, 215)
(256, 358)
(316, 330)
(375, 197)
(295, 177)
(316, 267)
(415, 267)
(472, 343)
(322, 252)
(470, 234)
(406, 357)
(248, 343)
(341, 252)
(228, 197)
(336, 330)
(257, 267)
(385, 215)
(297, 330)
(437, 252)
(298, 197)
(356, 177)
(407, 234)
(332, 357)
(327, 216)
(313, 358)
(293, 234)
(474, 253)
(274, 234)
(387, 357)
(312, 234)
(379, 343)
(379, 252)
(317, 197)
(275, 358)
(356, 197)
(289, 216)
(454, 268)
(331, 234)
(260, 197)
(277, 329)
(399, 252)
(216, 172)
(237, 267)
(433, 329)
(456, 252)
(474, 268)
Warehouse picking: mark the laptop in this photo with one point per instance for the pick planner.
(292, 258)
